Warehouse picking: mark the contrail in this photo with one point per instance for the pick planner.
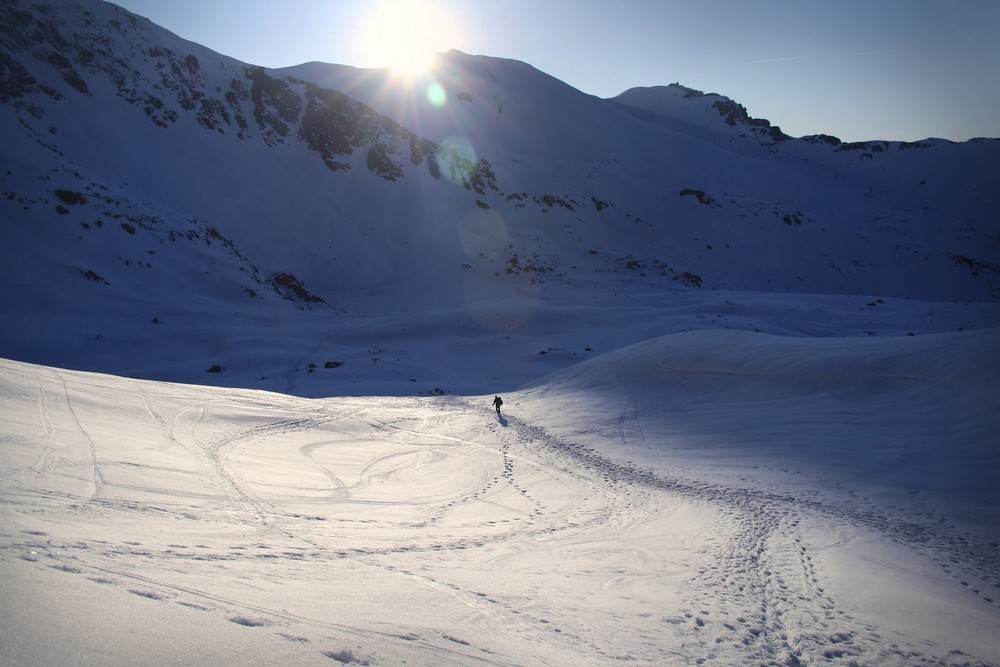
(810, 57)
(778, 60)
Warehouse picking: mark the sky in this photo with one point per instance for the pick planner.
(857, 69)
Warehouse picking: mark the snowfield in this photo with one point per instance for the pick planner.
(718, 498)
(751, 382)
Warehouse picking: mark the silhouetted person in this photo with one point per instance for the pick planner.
(497, 401)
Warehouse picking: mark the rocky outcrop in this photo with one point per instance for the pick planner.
(275, 105)
(736, 114)
(292, 289)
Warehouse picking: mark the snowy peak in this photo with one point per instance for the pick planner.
(500, 106)
(679, 105)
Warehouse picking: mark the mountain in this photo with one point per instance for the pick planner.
(752, 406)
(169, 211)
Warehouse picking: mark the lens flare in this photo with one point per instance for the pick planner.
(482, 234)
(503, 305)
(436, 94)
(457, 159)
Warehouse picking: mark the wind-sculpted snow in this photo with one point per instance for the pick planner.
(627, 510)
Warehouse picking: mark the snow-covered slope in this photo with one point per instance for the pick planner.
(750, 380)
(168, 210)
(720, 499)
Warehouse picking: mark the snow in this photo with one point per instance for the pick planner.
(791, 460)
(715, 497)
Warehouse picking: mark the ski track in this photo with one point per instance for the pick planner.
(54, 411)
(219, 451)
(746, 577)
(759, 600)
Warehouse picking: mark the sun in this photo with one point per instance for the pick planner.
(405, 35)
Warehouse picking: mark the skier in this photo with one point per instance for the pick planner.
(497, 401)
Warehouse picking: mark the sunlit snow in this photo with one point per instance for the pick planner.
(751, 387)
(732, 497)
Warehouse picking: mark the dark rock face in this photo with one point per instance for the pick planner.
(275, 106)
(36, 34)
(291, 288)
(380, 162)
(550, 201)
(736, 114)
(702, 198)
(823, 139)
(15, 80)
(71, 197)
(323, 127)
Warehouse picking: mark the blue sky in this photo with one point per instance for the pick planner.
(856, 69)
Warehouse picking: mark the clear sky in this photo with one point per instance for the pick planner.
(856, 69)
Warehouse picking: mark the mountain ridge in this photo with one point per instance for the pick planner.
(142, 168)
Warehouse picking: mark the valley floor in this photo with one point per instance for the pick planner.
(150, 523)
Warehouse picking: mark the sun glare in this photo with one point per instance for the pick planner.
(405, 35)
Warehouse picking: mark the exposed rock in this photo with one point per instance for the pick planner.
(822, 139)
(15, 80)
(275, 105)
(380, 162)
(92, 275)
(701, 197)
(291, 288)
(70, 197)
(736, 114)
(552, 200)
